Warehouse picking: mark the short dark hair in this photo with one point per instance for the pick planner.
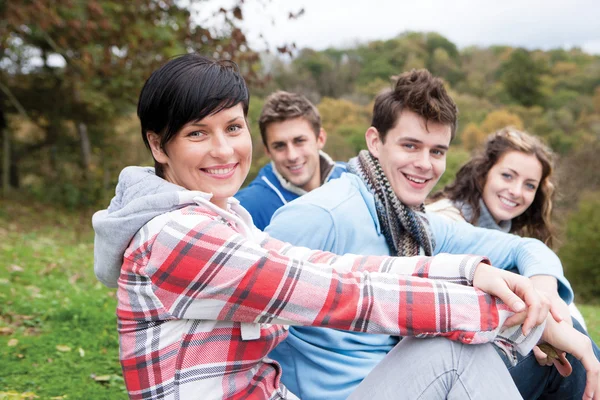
(419, 92)
(188, 88)
(281, 106)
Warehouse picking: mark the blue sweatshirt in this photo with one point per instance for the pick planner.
(269, 190)
(340, 217)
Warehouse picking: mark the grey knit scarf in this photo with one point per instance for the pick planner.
(405, 231)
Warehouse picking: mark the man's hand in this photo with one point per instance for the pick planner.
(530, 306)
(565, 338)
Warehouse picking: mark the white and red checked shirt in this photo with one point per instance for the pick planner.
(204, 296)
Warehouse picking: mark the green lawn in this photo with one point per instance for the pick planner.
(57, 323)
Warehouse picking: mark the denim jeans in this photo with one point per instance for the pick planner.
(433, 369)
(540, 382)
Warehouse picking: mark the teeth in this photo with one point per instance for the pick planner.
(410, 178)
(295, 167)
(508, 202)
(219, 171)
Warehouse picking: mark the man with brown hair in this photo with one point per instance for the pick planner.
(290, 127)
(377, 209)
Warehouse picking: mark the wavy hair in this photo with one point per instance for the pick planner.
(468, 185)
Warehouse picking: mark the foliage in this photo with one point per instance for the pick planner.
(521, 78)
(72, 68)
(455, 159)
(473, 137)
(499, 119)
(580, 254)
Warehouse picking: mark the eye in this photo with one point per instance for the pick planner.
(438, 152)
(196, 134)
(409, 146)
(530, 186)
(506, 176)
(234, 128)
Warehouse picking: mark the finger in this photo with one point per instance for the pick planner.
(515, 319)
(537, 312)
(555, 311)
(509, 297)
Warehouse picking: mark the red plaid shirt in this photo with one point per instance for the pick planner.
(204, 296)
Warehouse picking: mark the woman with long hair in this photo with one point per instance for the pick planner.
(507, 186)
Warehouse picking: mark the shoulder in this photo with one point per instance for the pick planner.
(263, 190)
(338, 169)
(335, 194)
(445, 208)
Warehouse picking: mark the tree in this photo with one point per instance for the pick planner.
(77, 66)
(472, 137)
(580, 253)
(521, 77)
(499, 119)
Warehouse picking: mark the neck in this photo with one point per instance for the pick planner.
(314, 182)
(221, 203)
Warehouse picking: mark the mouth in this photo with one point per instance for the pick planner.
(416, 181)
(220, 171)
(294, 169)
(507, 202)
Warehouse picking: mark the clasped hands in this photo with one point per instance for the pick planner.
(532, 308)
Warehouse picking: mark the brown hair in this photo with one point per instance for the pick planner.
(281, 106)
(468, 185)
(417, 91)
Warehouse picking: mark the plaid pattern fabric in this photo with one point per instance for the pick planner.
(203, 298)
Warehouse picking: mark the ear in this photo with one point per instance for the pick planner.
(267, 152)
(157, 151)
(321, 138)
(373, 141)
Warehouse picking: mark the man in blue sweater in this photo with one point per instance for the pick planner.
(290, 127)
(377, 208)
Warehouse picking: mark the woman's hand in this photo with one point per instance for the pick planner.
(516, 291)
(564, 338)
(548, 285)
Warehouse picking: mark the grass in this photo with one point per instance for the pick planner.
(57, 323)
(58, 336)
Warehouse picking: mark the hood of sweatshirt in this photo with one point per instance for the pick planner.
(139, 197)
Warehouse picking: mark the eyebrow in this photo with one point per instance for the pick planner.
(202, 125)
(413, 140)
(279, 142)
(516, 173)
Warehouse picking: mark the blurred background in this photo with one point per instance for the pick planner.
(71, 72)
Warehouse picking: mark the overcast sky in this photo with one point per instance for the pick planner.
(532, 24)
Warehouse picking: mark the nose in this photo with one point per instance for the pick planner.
(292, 153)
(516, 189)
(220, 147)
(423, 161)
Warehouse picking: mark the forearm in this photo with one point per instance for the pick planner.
(454, 268)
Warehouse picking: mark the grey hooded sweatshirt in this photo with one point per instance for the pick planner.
(140, 196)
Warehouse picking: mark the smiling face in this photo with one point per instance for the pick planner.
(212, 155)
(511, 185)
(294, 150)
(413, 156)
